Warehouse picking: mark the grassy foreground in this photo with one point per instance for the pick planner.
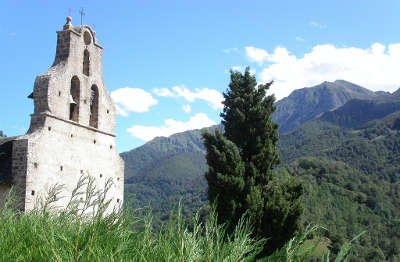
(70, 235)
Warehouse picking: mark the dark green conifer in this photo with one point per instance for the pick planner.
(241, 161)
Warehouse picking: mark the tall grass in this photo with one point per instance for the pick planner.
(73, 234)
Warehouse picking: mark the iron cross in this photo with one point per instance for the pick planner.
(82, 12)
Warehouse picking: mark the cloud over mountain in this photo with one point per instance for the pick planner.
(170, 127)
(375, 68)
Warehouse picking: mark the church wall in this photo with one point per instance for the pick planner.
(63, 151)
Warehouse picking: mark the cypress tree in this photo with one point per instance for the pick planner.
(240, 177)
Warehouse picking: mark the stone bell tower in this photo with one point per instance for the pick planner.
(71, 130)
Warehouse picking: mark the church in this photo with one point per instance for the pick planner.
(71, 129)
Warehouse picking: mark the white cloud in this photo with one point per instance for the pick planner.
(132, 99)
(230, 50)
(256, 54)
(318, 25)
(212, 96)
(186, 108)
(300, 39)
(375, 67)
(163, 92)
(170, 127)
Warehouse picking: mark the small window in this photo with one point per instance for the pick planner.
(94, 107)
(33, 192)
(81, 171)
(74, 98)
(35, 165)
(117, 200)
(86, 62)
(61, 168)
(49, 128)
(101, 175)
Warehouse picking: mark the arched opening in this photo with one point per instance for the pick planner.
(74, 98)
(94, 106)
(86, 62)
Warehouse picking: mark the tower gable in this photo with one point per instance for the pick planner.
(65, 91)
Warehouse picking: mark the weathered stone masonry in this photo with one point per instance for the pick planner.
(70, 134)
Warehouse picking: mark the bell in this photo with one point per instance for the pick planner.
(71, 100)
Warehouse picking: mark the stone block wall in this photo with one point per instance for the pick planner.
(19, 167)
(63, 151)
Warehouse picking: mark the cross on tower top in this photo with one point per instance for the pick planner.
(82, 12)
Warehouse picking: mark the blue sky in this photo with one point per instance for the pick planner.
(166, 63)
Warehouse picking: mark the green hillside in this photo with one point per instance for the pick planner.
(345, 201)
(144, 157)
(373, 148)
(165, 171)
(346, 198)
(350, 165)
(177, 177)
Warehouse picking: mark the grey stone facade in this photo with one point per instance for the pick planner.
(71, 130)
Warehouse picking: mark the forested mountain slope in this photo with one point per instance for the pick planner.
(373, 148)
(166, 170)
(346, 202)
(357, 112)
(350, 166)
(144, 157)
(305, 104)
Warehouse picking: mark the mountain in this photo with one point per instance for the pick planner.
(143, 158)
(396, 93)
(350, 177)
(305, 104)
(373, 148)
(357, 112)
(347, 156)
(167, 170)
